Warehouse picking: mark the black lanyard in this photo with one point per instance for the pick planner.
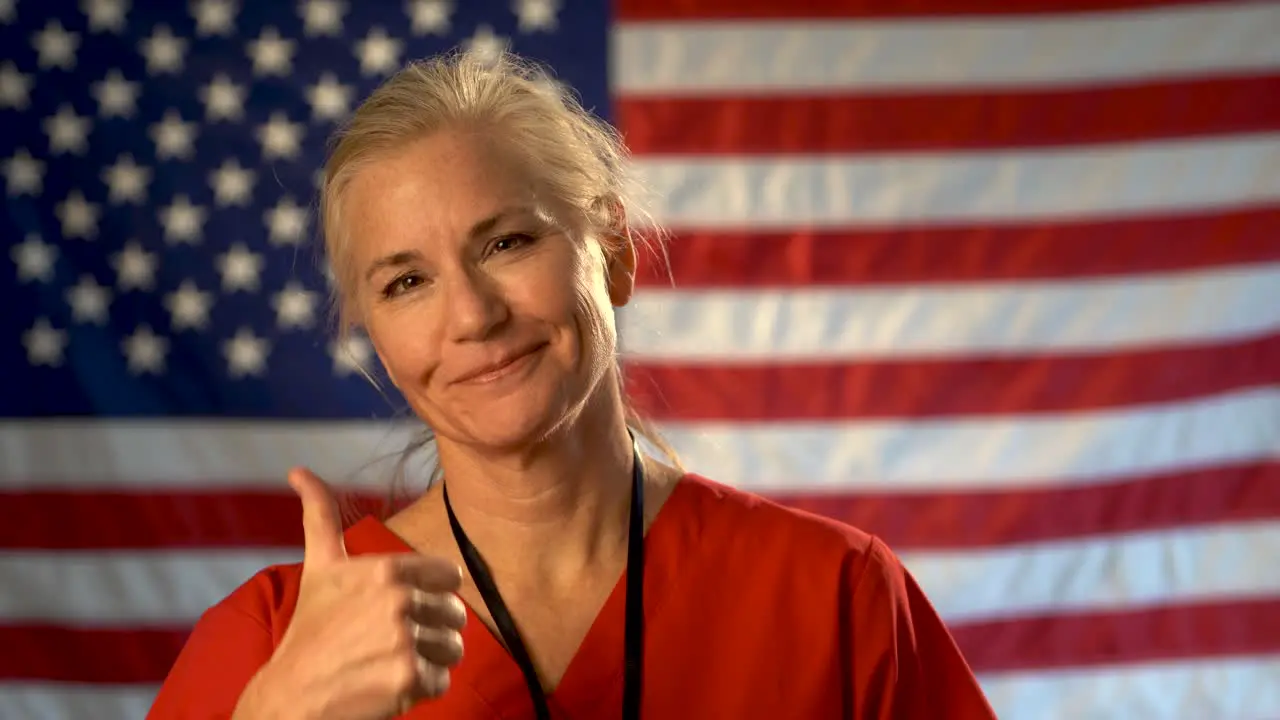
(633, 639)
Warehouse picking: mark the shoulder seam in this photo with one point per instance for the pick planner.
(877, 552)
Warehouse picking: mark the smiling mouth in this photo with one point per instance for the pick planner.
(500, 369)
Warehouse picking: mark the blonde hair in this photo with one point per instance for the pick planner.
(581, 162)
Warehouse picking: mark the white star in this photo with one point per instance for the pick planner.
(330, 99)
(135, 267)
(214, 17)
(182, 221)
(232, 184)
(105, 14)
(189, 306)
(173, 137)
(68, 132)
(486, 45)
(295, 306)
(45, 344)
(34, 259)
(378, 53)
(287, 222)
(272, 55)
(56, 47)
(145, 351)
(246, 354)
(536, 14)
(89, 301)
(223, 99)
(126, 181)
(322, 17)
(8, 11)
(429, 16)
(24, 175)
(351, 354)
(240, 269)
(279, 137)
(116, 96)
(79, 217)
(15, 88)
(164, 51)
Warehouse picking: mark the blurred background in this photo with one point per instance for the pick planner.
(999, 282)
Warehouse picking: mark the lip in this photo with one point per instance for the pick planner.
(503, 367)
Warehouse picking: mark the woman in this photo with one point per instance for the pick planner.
(476, 220)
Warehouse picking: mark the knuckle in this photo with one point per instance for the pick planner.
(385, 571)
(404, 673)
(399, 600)
(402, 639)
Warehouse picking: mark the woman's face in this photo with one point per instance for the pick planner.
(488, 313)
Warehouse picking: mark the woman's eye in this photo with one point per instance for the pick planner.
(510, 242)
(401, 285)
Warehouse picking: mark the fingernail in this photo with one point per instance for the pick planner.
(458, 607)
(436, 681)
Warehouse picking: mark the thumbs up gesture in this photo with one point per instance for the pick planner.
(370, 635)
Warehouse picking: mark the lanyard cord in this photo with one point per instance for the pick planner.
(634, 632)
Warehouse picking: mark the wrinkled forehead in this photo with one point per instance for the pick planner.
(437, 189)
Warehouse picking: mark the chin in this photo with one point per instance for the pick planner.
(513, 421)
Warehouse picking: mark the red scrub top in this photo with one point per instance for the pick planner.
(752, 610)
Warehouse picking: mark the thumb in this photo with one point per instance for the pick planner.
(321, 527)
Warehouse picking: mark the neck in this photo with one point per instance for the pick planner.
(552, 512)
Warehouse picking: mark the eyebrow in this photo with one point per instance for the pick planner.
(483, 227)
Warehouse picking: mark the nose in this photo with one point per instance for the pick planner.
(474, 306)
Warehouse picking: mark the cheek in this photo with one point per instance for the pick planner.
(404, 344)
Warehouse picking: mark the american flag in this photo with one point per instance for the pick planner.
(999, 282)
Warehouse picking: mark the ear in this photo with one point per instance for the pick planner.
(620, 258)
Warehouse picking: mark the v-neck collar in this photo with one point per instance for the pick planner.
(595, 672)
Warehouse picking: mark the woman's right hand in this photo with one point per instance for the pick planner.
(370, 635)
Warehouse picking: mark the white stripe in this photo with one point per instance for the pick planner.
(121, 588)
(1101, 572)
(178, 453)
(1006, 452)
(125, 587)
(1242, 688)
(676, 59)
(1101, 181)
(869, 323)
(70, 701)
(995, 452)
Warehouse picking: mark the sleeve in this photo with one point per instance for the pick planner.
(906, 665)
(224, 651)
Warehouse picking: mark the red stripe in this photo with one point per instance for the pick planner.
(104, 520)
(1226, 628)
(1178, 632)
(1047, 250)
(642, 10)
(974, 120)
(950, 387)
(940, 519)
(88, 655)
(170, 519)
